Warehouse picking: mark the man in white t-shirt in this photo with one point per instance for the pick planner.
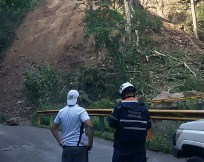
(73, 119)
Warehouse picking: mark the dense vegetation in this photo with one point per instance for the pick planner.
(201, 21)
(12, 13)
(2, 118)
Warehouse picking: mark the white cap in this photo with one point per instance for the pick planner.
(72, 97)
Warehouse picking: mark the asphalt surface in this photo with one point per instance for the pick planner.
(32, 144)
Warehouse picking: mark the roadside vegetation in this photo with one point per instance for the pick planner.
(12, 13)
(2, 118)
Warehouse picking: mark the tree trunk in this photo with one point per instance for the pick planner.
(115, 4)
(128, 18)
(194, 19)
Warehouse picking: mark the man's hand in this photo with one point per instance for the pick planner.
(90, 132)
(60, 143)
(88, 147)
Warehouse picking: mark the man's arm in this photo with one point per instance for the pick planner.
(114, 118)
(90, 132)
(54, 130)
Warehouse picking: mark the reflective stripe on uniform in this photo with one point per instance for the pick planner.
(134, 128)
(113, 117)
(135, 121)
(130, 101)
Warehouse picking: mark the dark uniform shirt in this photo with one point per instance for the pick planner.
(131, 120)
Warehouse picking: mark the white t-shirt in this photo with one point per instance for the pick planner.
(71, 118)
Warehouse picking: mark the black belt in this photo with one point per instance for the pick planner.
(71, 146)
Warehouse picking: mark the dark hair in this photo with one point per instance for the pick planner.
(128, 89)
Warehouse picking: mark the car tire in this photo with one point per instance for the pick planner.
(195, 159)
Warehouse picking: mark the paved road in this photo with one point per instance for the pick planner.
(32, 144)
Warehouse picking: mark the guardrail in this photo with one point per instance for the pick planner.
(181, 115)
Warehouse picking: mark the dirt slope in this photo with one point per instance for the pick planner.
(51, 34)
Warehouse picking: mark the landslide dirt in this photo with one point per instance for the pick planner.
(53, 34)
(50, 34)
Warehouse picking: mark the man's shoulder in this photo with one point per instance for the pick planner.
(63, 109)
(137, 104)
(79, 109)
(118, 105)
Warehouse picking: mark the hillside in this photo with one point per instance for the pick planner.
(53, 34)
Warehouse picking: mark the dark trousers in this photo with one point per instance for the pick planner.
(128, 155)
(75, 154)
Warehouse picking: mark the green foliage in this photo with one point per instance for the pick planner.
(143, 81)
(2, 118)
(103, 103)
(105, 135)
(193, 83)
(201, 20)
(11, 14)
(108, 28)
(95, 121)
(160, 142)
(98, 84)
(45, 120)
(162, 136)
(43, 85)
(142, 21)
(191, 104)
(103, 24)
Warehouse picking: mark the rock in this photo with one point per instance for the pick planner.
(13, 121)
(193, 93)
(25, 123)
(176, 95)
(19, 102)
(163, 95)
(28, 108)
(166, 95)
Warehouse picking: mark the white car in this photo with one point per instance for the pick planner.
(188, 141)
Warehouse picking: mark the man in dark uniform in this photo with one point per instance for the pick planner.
(131, 120)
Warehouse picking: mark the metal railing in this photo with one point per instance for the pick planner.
(181, 115)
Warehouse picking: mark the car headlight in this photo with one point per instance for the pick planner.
(178, 133)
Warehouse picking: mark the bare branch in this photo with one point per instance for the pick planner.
(189, 69)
